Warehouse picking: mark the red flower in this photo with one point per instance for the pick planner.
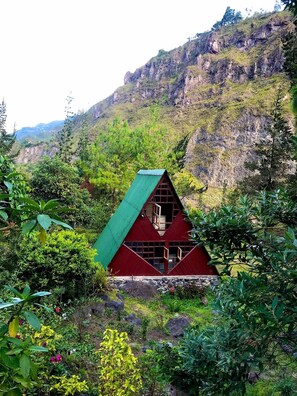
(57, 310)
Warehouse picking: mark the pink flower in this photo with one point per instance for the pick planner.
(59, 358)
(21, 322)
(56, 359)
(57, 310)
(18, 336)
(43, 344)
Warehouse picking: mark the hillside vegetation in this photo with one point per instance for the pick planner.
(67, 327)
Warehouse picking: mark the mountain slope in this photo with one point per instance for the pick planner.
(218, 89)
(39, 132)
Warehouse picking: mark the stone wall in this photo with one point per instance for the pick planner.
(163, 283)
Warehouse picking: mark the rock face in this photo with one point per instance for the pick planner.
(31, 154)
(217, 89)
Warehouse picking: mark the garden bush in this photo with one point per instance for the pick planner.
(118, 371)
(64, 261)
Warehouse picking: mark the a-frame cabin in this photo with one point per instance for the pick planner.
(149, 234)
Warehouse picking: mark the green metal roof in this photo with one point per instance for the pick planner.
(124, 217)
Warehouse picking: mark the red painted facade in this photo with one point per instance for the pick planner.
(158, 242)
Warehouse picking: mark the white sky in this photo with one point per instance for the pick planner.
(51, 48)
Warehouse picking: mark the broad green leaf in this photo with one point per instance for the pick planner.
(9, 361)
(32, 319)
(6, 304)
(45, 221)
(52, 203)
(17, 300)
(14, 291)
(26, 291)
(36, 348)
(279, 311)
(28, 226)
(13, 327)
(274, 302)
(41, 294)
(3, 214)
(25, 365)
(30, 201)
(15, 341)
(8, 185)
(61, 223)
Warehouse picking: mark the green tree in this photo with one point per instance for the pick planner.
(6, 140)
(256, 309)
(186, 184)
(120, 151)
(230, 17)
(64, 137)
(54, 178)
(82, 148)
(273, 153)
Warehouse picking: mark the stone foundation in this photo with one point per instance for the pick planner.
(163, 283)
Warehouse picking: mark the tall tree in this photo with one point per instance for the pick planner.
(6, 140)
(64, 137)
(230, 17)
(273, 152)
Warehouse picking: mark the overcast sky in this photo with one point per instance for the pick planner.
(51, 48)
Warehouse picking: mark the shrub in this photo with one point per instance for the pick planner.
(69, 386)
(64, 260)
(118, 373)
(100, 278)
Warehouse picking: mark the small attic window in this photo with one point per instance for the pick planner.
(163, 207)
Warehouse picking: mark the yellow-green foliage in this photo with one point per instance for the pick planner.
(186, 184)
(118, 372)
(100, 278)
(46, 336)
(69, 386)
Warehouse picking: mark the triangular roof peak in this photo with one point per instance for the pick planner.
(124, 217)
(151, 172)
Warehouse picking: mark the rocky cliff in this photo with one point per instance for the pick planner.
(218, 89)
